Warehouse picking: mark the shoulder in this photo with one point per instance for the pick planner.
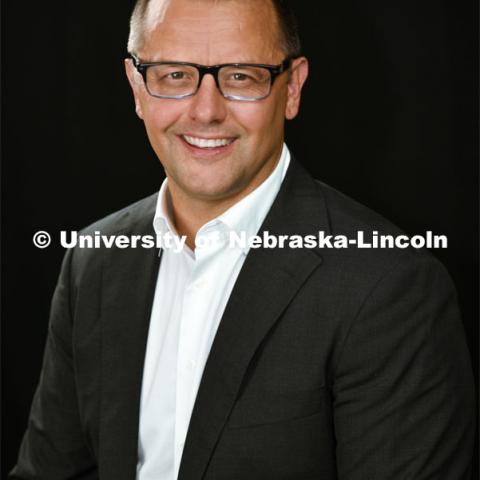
(308, 206)
(347, 215)
(134, 219)
(130, 217)
(366, 267)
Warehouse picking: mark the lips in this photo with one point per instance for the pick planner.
(207, 143)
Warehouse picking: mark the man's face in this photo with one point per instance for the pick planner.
(210, 33)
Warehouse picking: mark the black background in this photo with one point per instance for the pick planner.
(389, 117)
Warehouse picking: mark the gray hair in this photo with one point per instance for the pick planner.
(286, 19)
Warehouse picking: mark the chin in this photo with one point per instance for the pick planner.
(211, 190)
(208, 186)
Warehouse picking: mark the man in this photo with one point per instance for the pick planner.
(242, 363)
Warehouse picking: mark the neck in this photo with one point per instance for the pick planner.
(190, 213)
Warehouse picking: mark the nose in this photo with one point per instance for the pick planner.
(208, 105)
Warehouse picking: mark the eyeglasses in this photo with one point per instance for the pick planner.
(235, 81)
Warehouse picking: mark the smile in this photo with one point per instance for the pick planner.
(207, 142)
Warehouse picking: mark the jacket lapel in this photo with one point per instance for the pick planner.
(268, 281)
(128, 289)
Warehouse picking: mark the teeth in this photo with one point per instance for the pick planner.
(207, 143)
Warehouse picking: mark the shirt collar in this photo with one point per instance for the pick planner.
(162, 221)
(247, 215)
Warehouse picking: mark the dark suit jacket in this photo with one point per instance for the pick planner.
(327, 364)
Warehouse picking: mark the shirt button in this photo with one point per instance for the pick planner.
(199, 284)
(191, 365)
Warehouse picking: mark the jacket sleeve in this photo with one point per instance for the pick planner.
(403, 389)
(54, 446)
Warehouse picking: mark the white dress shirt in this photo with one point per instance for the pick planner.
(191, 294)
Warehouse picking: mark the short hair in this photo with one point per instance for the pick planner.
(287, 22)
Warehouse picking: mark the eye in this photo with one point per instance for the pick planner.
(239, 77)
(177, 75)
(244, 75)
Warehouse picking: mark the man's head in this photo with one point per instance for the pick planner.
(212, 32)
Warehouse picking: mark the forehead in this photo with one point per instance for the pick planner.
(212, 31)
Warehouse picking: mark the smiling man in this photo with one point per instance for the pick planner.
(234, 363)
(219, 132)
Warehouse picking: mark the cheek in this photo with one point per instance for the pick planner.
(159, 115)
(258, 118)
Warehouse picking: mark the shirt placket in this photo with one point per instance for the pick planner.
(191, 330)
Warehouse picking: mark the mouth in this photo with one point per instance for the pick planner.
(207, 146)
(207, 142)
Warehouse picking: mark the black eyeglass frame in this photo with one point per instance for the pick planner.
(275, 71)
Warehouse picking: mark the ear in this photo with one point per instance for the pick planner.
(135, 80)
(297, 76)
